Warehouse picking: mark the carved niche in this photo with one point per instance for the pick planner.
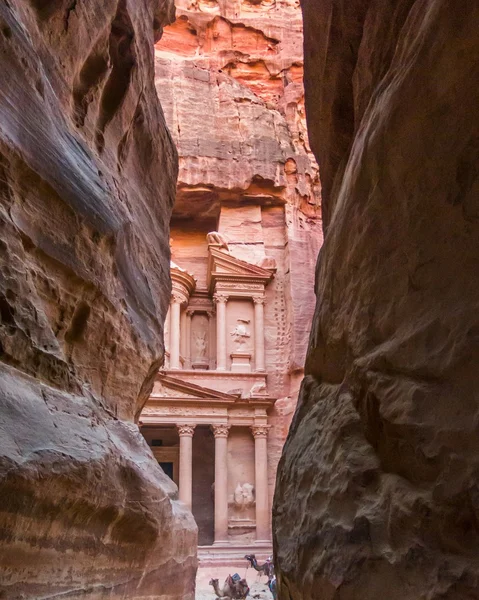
(200, 341)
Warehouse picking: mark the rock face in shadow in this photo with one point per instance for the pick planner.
(377, 492)
(87, 183)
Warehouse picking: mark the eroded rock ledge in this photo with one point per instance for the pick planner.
(87, 182)
(377, 493)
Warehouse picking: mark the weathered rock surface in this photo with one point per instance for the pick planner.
(87, 182)
(229, 76)
(377, 493)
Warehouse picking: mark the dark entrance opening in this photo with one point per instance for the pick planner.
(167, 468)
(203, 479)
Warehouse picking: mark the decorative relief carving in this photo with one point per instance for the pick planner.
(220, 298)
(220, 430)
(186, 430)
(182, 411)
(260, 430)
(177, 298)
(252, 287)
(201, 345)
(258, 389)
(240, 333)
(244, 496)
(215, 238)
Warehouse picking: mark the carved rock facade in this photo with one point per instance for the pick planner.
(87, 182)
(377, 493)
(229, 76)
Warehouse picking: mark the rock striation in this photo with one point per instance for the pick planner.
(377, 493)
(229, 76)
(87, 183)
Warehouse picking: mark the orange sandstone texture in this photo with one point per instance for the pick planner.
(377, 493)
(229, 76)
(87, 183)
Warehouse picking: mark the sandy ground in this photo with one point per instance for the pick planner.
(258, 588)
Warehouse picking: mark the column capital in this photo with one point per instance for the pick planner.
(220, 297)
(220, 430)
(190, 312)
(176, 298)
(260, 431)
(186, 430)
(210, 314)
(259, 299)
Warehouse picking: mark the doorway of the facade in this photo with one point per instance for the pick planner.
(167, 468)
(203, 484)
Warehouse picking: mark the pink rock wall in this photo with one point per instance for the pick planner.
(229, 76)
(377, 492)
(87, 182)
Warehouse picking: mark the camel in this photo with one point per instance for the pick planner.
(268, 569)
(231, 590)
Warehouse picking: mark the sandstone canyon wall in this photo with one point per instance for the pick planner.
(377, 493)
(87, 182)
(229, 76)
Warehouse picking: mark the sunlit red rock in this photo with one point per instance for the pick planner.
(87, 183)
(229, 77)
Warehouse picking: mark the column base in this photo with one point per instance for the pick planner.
(221, 543)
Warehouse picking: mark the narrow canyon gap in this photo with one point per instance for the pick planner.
(87, 183)
(377, 490)
(245, 234)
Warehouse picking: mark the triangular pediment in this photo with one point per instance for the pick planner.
(173, 387)
(224, 266)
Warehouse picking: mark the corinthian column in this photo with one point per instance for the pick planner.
(221, 300)
(175, 307)
(259, 333)
(186, 458)
(221, 483)
(189, 315)
(260, 434)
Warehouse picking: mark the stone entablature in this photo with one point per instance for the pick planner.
(174, 402)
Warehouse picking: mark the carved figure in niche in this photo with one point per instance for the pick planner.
(244, 496)
(201, 344)
(217, 239)
(240, 333)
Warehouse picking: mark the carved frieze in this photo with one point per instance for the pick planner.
(183, 411)
(231, 285)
